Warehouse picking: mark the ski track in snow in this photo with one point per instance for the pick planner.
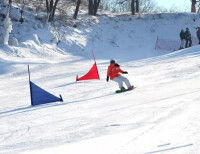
(131, 109)
(160, 116)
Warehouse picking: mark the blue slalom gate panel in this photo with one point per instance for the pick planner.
(40, 96)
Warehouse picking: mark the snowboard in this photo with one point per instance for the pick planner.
(120, 91)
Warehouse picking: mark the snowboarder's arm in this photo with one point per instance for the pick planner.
(120, 70)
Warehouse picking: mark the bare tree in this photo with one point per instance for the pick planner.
(93, 6)
(10, 6)
(133, 7)
(77, 9)
(119, 5)
(198, 11)
(58, 8)
(147, 6)
(51, 8)
(193, 5)
(7, 24)
(137, 6)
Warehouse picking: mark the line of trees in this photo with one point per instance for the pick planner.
(60, 7)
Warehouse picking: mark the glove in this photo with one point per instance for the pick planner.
(125, 72)
(107, 79)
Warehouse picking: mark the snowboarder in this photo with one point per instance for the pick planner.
(113, 73)
(188, 38)
(198, 33)
(182, 37)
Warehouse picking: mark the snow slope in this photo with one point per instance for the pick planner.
(159, 116)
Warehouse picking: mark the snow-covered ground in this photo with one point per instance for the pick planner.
(160, 116)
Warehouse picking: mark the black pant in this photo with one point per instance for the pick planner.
(190, 43)
(199, 39)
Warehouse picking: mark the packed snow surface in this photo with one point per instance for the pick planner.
(160, 116)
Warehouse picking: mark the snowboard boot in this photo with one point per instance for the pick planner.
(131, 87)
(122, 88)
